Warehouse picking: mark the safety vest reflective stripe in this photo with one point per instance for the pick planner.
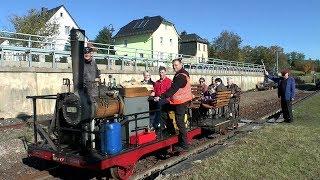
(183, 94)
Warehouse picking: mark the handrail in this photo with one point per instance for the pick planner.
(50, 44)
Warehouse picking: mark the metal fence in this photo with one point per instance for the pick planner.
(25, 50)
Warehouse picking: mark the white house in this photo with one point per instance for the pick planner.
(62, 17)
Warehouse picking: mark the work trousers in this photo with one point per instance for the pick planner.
(180, 111)
(286, 107)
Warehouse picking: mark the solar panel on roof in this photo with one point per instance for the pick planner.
(140, 25)
(146, 23)
(136, 25)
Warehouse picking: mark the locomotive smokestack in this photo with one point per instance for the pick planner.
(77, 37)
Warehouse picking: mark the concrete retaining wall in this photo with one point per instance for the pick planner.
(16, 84)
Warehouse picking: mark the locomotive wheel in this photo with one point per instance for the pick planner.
(122, 173)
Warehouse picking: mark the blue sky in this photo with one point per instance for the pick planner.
(292, 24)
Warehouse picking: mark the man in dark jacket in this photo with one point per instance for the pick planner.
(235, 97)
(219, 85)
(286, 92)
(91, 76)
(179, 95)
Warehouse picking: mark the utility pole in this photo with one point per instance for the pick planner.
(277, 60)
(277, 52)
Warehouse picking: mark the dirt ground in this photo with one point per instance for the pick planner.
(14, 163)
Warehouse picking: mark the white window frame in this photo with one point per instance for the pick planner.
(67, 30)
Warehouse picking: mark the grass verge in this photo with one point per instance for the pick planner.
(283, 151)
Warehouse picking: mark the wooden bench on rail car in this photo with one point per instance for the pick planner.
(219, 107)
(193, 108)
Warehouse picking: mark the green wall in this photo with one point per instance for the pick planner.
(141, 42)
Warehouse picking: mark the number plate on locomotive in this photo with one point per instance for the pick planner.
(71, 109)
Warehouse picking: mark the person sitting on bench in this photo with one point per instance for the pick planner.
(219, 85)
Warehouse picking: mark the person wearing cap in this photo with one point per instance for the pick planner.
(91, 75)
(286, 92)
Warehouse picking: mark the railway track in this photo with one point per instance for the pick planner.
(159, 167)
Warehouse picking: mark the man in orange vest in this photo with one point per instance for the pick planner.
(179, 95)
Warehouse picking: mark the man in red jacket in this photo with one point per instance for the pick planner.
(160, 87)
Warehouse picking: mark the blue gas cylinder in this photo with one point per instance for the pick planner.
(111, 138)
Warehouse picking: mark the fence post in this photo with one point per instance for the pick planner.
(54, 65)
(135, 65)
(29, 55)
(108, 62)
(2, 57)
(122, 63)
(146, 64)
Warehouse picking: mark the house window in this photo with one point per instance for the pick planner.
(61, 14)
(170, 42)
(161, 40)
(67, 30)
(125, 43)
(199, 47)
(141, 55)
(204, 47)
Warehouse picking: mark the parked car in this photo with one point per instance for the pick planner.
(266, 85)
(318, 84)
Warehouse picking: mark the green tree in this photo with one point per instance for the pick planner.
(245, 54)
(295, 56)
(104, 37)
(35, 22)
(226, 46)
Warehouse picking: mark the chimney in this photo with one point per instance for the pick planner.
(77, 37)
